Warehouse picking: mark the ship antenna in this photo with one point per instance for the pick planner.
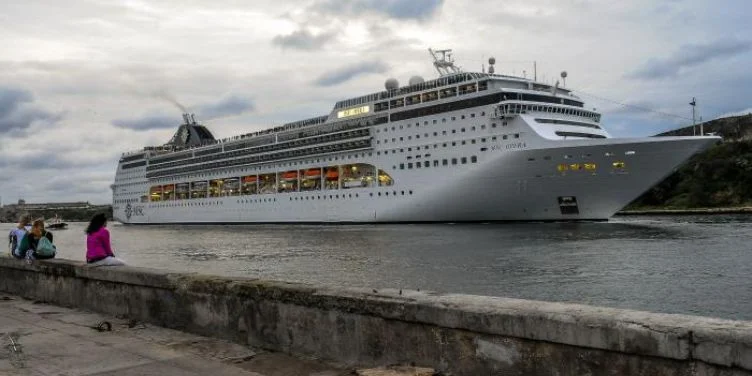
(443, 62)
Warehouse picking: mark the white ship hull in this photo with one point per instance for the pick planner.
(506, 187)
(483, 158)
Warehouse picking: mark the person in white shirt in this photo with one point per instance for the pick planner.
(17, 235)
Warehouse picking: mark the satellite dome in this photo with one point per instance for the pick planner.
(414, 80)
(491, 60)
(391, 84)
(564, 74)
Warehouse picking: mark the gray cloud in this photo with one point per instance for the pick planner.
(340, 75)
(227, 106)
(148, 122)
(303, 39)
(398, 9)
(688, 56)
(17, 111)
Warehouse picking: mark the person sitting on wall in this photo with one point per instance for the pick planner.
(98, 248)
(18, 234)
(37, 244)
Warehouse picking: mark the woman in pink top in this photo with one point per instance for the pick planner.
(98, 248)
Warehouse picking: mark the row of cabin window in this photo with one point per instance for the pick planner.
(266, 157)
(334, 197)
(524, 108)
(444, 162)
(275, 167)
(431, 96)
(453, 143)
(266, 148)
(435, 134)
(425, 122)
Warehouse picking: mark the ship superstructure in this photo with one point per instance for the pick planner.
(462, 147)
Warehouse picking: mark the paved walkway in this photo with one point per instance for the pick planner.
(41, 339)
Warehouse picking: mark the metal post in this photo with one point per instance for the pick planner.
(694, 124)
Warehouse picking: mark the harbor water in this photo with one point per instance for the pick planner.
(699, 265)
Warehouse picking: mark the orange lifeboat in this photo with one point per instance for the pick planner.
(332, 174)
(249, 179)
(290, 175)
(313, 172)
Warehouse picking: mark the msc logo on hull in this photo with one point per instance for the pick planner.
(133, 211)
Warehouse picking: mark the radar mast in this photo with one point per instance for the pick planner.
(443, 62)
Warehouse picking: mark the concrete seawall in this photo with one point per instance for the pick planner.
(456, 334)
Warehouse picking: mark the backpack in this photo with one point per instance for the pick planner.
(45, 248)
(13, 241)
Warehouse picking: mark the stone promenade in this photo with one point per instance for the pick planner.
(41, 339)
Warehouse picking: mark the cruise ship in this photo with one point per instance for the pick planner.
(464, 147)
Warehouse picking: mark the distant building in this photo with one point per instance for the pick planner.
(734, 128)
(22, 205)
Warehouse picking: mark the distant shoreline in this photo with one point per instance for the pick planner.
(696, 211)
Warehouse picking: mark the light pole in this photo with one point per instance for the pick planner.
(694, 124)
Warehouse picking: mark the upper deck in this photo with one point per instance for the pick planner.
(458, 90)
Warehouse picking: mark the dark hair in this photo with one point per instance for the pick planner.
(97, 221)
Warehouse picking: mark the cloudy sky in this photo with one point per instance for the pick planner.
(81, 81)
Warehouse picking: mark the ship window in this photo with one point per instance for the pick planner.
(620, 165)
(417, 165)
(409, 165)
(443, 120)
(427, 164)
(464, 160)
(463, 142)
(474, 159)
(434, 121)
(402, 166)
(454, 118)
(463, 116)
(454, 161)
(444, 133)
(483, 139)
(454, 144)
(454, 131)
(444, 162)
(504, 137)
(516, 135)
(436, 163)
(493, 138)
(472, 141)
(631, 152)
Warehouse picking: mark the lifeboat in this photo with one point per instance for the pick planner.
(332, 174)
(313, 172)
(290, 175)
(249, 179)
